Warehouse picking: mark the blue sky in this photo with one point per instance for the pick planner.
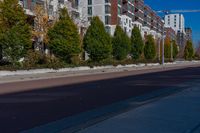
(191, 19)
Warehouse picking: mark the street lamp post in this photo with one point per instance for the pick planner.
(163, 50)
(159, 49)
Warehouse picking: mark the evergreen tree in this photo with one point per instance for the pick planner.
(15, 33)
(137, 43)
(197, 51)
(97, 42)
(188, 51)
(167, 48)
(149, 48)
(121, 44)
(175, 49)
(64, 40)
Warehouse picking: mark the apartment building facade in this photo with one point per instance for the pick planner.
(127, 16)
(143, 17)
(52, 7)
(138, 13)
(126, 13)
(175, 21)
(109, 11)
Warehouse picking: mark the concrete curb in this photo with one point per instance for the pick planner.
(85, 68)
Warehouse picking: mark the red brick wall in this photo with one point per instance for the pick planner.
(114, 12)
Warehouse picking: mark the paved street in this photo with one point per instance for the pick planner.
(178, 113)
(66, 99)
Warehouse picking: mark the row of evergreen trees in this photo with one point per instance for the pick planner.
(64, 40)
(100, 45)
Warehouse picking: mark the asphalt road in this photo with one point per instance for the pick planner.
(175, 113)
(24, 110)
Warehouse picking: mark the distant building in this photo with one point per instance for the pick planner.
(188, 32)
(176, 22)
(181, 40)
(169, 32)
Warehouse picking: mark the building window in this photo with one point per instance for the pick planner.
(119, 2)
(130, 23)
(50, 10)
(133, 9)
(107, 1)
(107, 9)
(107, 20)
(76, 3)
(89, 19)
(119, 11)
(89, 2)
(129, 7)
(125, 29)
(108, 29)
(129, 14)
(89, 10)
(119, 21)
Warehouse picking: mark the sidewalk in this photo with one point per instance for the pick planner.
(37, 74)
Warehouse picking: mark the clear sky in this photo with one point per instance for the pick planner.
(191, 19)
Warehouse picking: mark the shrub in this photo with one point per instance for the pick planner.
(32, 59)
(35, 59)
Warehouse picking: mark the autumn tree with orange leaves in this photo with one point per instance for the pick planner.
(41, 27)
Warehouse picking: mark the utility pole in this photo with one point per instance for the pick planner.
(159, 41)
(163, 50)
